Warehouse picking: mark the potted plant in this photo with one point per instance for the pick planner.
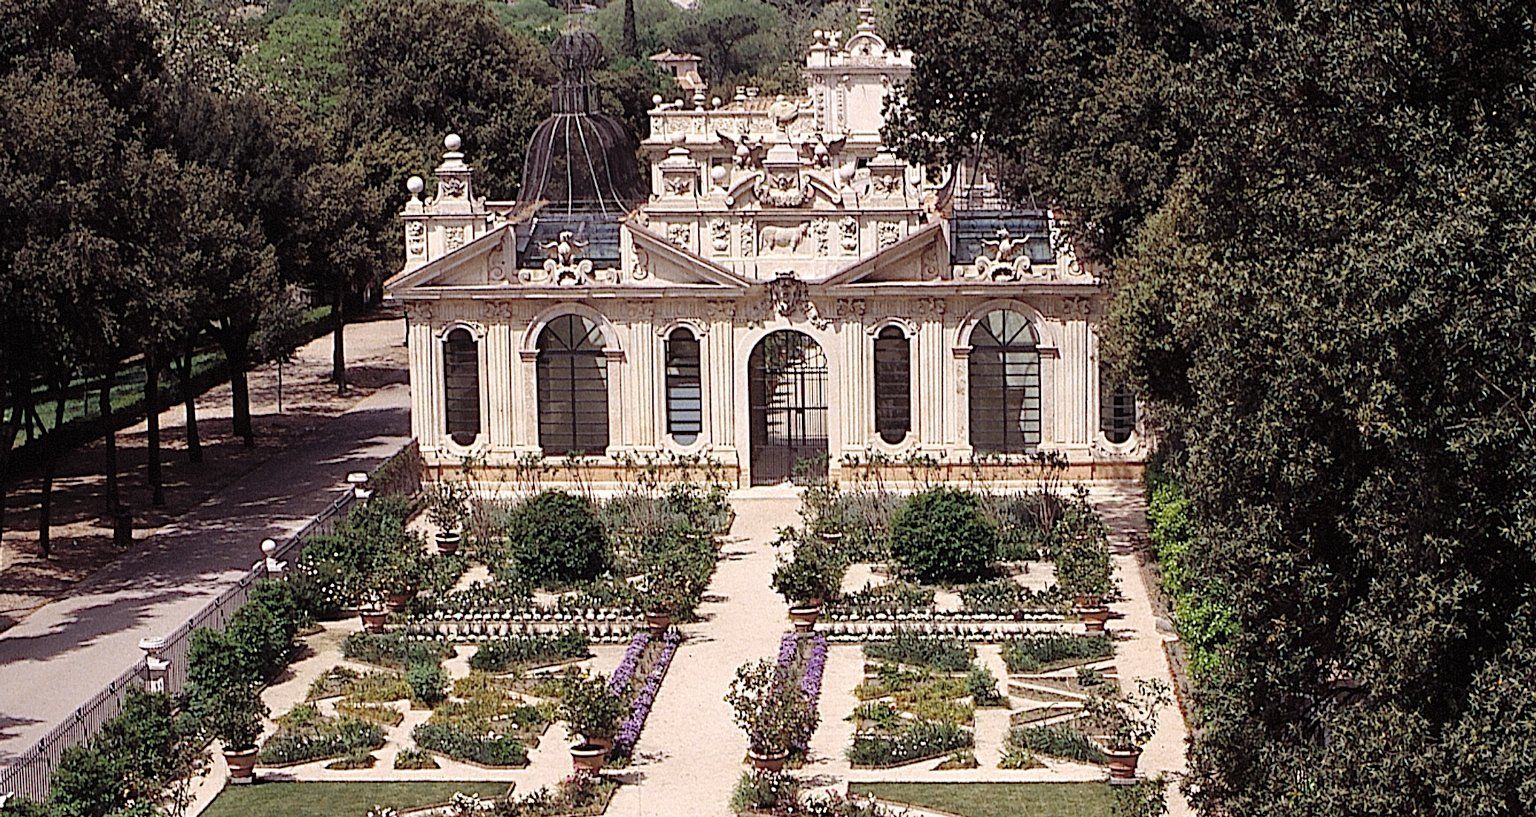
(770, 707)
(447, 508)
(399, 575)
(665, 596)
(812, 574)
(1124, 726)
(1094, 619)
(234, 716)
(1083, 569)
(591, 713)
(371, 611)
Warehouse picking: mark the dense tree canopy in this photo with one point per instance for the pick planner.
(1356, 434)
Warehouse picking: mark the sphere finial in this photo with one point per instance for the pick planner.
(453, 142)
(415, 185)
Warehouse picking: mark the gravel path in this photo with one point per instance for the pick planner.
(691, 754)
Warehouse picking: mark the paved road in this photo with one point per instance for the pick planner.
(63, 653)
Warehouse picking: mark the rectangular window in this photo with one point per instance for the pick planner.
(685, 395)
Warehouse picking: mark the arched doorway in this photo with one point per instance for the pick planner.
(787, 395)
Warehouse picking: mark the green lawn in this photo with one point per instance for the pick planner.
(338, 799)
(998, 799)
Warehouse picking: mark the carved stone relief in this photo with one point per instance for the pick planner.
(719, 235)
(1004, 259)
(782, 239)
(787, 297)
(680, 233)
(848, 231)
(887, 233)
(453, 237)
(821, 235)
(748, 237)
(415, 237)
(451, 187)
(418, 312)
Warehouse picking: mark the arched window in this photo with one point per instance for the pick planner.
(573, 388)
(1117, 410)
(1005, 384)
(685, 394)
(461, 386)
(893, 385)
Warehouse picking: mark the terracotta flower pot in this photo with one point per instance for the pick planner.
(768, 763)
(242, 765)
(1122, 765)
(804, 616)
(1087, 600)
(658, 621)
(373, 620)
(605, 741)
(448, 542)
(1094, 619)
(395, 602)
(589, 757)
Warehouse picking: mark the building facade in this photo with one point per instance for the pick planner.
(784, 295)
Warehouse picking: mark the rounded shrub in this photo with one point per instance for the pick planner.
(428, 682)
(556, 537)
(941, 535)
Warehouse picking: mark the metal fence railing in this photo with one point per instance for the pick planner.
(29, 775)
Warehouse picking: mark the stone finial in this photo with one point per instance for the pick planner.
(453, 143)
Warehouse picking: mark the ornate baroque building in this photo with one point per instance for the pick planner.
(784, 290)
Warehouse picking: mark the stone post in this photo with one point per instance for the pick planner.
(155, 662)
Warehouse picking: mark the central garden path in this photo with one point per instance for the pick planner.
(691, 753)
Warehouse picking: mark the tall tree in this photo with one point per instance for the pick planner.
(417, 68)
(1356, 437)
(631, 44)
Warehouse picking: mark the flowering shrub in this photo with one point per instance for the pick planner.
(813, 572)
(583, 794)
(645, 696)
(804, 655)
(913, 741)
(304, 735)
(588, 707)
(1007, 597)
(771, 708)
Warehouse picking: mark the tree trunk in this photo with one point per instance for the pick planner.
(152, 425)
(189, 401)
(631, 42)
(240, 393)
(45, 502)
(338, 347)
(7, 439)
(114, 507)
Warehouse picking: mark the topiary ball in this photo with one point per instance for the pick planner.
(941, 536)
(556, 537)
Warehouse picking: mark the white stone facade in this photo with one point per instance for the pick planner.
(763, 216)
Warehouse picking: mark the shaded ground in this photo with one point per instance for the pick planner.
(83, 545)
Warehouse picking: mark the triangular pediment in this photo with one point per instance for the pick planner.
(658, 262)
(483, 261)
(920, 257)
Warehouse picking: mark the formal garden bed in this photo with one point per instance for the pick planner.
(972, 564)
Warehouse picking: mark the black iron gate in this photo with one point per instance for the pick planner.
(787, 394)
